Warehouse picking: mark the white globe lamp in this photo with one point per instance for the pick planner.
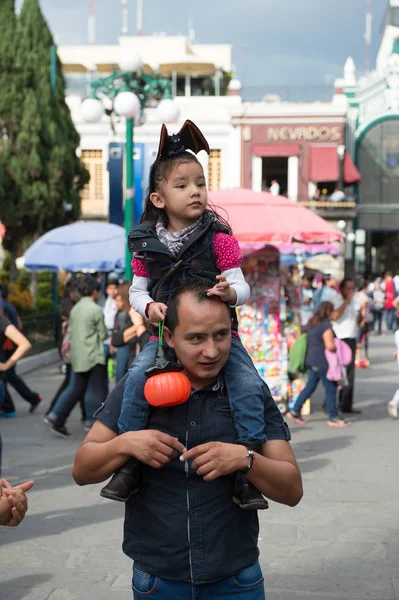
(351, 237)
(168, 111)
(131, 63)
(341, 224)
(127, 105)
(92, 110)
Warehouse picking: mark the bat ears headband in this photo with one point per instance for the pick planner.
(188, 138)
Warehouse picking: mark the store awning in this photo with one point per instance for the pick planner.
(324, 166)
(271, 150)
(351, 174)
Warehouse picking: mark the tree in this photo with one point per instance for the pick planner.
(41, 175)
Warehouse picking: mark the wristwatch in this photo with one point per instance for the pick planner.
(250, 456)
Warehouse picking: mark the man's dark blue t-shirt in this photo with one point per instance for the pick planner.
(10, 312)
(178, 526)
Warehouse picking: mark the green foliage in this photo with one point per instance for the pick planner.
(39, 168)
(44, 306)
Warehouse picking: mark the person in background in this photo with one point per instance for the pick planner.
(388, 287)
(393, 405)
(11, 377)
(307, 300)
(87, 335)
(377, 305)
(396, 282)
(22, 346)
(274, 188)
(363, 305)
(320, 338)
(327, 292)
(337, 195)
(130, 332)
(345, 327)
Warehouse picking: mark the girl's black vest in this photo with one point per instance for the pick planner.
(195, 260)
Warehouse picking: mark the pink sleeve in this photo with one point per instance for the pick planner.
(228, 252)
(139, 267)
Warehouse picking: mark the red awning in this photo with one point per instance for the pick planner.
(351, 174)
(268, 150)
(323, 164)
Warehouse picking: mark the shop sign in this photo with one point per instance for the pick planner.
(310, 134)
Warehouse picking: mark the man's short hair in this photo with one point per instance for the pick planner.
(344, 282)
(87, 286)
(198, 289)
(4, 291)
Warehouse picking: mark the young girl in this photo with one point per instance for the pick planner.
(179, 239)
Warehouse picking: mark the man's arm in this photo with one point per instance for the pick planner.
(274, 473)
(338, 312)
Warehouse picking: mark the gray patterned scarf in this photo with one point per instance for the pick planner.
(175, 241)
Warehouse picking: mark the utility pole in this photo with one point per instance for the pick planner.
(368, 35)
(92, 23)
(139, 17)
(125, 17)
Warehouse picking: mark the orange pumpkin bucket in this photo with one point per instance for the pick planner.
(166, 384)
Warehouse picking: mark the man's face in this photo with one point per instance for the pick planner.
(202, 338)
(348, 289)
(112, 290)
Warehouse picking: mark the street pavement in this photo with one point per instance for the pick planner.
(340, 542)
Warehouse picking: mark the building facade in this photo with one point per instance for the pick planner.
(373, 140)
(204, 92)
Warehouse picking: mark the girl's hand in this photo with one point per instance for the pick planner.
(157, 312)
(223, 290)
(3, 367)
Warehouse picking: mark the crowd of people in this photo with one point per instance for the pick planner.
(332, 313)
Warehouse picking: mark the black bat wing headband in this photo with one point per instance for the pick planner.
(188, 138)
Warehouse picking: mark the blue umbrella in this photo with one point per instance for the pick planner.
(91, 245)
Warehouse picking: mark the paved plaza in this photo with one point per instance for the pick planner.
(340, 542)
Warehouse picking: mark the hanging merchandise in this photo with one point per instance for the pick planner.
(269, 321)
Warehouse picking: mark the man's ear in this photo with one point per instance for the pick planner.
(168, 335)
(157, 200)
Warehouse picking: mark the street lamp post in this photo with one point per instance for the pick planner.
(130, 91)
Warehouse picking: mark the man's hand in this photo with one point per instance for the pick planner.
(17, 499)
(157, 312)
(223, 290)
(152, 447)
(216, 459)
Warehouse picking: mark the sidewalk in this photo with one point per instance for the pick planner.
(340, 543)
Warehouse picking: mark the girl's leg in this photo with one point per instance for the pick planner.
(245, 392)
(122, 359)
(311, 385)
(330, 388)
(134, 413)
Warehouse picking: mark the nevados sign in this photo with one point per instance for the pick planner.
(311, 134)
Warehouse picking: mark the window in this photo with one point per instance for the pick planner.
(93, 193)
(214, 170)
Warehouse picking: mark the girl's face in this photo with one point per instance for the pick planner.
(119, 302)
(183, 195)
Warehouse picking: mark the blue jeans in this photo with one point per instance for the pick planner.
(390, 318)
(314, 376)
(245, 392)
(245, 585)
(64, 398)
(122, 360)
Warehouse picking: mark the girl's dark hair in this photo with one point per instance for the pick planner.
(123, 292)
(322, 313)
(160, 170)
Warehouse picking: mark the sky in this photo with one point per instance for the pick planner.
(275, 42)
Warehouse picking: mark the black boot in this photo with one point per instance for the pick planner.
(124, 482)
(245, 493)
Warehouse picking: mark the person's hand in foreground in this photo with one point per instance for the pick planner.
(13, 502)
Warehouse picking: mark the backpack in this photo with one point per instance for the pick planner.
(297, 356)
